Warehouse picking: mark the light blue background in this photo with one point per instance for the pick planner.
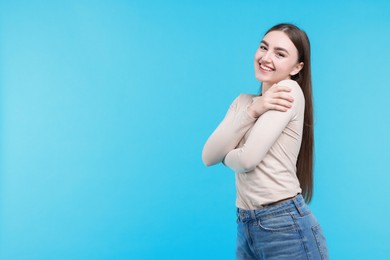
(106, 105)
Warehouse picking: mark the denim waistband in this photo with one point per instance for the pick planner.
(296, 203)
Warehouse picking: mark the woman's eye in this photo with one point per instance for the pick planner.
(280, 55)
(263, 47)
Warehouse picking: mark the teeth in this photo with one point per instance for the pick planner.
(265, 68)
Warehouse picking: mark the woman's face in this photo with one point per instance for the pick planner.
(276, 59)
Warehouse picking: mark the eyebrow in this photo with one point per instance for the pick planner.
(276, 48)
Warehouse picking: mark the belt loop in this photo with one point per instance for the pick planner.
(297, 205)
(253, 214)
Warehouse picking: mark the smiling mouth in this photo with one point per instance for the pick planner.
(266, 68)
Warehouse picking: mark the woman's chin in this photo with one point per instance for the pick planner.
(260, 78)
(264, 80)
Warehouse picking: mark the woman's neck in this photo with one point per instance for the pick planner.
(265, 87)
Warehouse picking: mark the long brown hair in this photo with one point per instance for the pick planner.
(303, 78)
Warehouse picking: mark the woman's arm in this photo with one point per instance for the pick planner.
(229, 132)
(264, 134)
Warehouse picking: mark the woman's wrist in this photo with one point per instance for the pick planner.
(251, 112)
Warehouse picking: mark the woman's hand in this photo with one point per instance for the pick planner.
(275, 98)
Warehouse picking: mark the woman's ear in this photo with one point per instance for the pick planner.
(296, 69)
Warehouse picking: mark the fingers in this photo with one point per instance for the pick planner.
(278, 98)
(280, 92)
(276, 107)
(280, 108)
(278, 104)
(284, 96)
(275, 98)
(282, 102)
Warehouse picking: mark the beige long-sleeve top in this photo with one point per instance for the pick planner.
(263, 152)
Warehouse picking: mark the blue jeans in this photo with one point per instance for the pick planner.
(287, 230)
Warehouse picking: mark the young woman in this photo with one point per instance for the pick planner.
(267, 140)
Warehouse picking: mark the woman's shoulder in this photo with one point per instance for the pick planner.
(245, 96)
(289, 83)
(244, 99)
(296, 90)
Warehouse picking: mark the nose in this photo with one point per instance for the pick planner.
(266, 56)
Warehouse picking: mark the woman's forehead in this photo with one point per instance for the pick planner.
(278, 39)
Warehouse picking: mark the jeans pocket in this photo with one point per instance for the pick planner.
(321, 242)
(277, 223)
